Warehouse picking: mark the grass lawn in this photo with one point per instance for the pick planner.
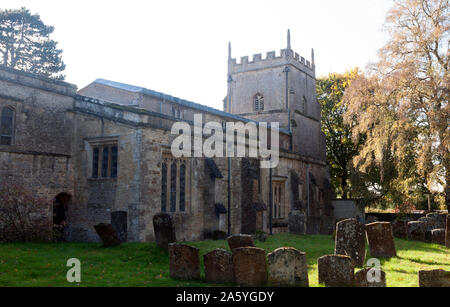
(143, 264)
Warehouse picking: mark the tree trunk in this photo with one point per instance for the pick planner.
(344, 183)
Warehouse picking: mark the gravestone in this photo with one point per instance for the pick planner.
(164, 230)
(119, 222)
(400, 228)
(438, 236)
(238, 241)
(336, 271)
(249, 266)
(367, 277)
(438, 218)
(416, 231)
(184, 262)
(371, 219)
(107, 234)
(434, 278)
(381, 240)
(288, 267)
(447, 232)
(351, 240)
(218, 266)
(297, 222)
(429, 226)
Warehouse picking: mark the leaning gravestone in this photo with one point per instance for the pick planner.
(219, 266)
(164, 230)
(119, 222)
(249, 266)
(447, 232)
(107, 234)
(370, 277)
(351, 240)
(336, 271)
(416, 231)
(297, 222)
(239, 241)
(429, 226)
(184, 262)
(438, 236)
(381, 240)
(434, 278)
(288, 267)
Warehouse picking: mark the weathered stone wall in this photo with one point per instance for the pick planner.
(40, 155)
(52, 153)
(96, 198)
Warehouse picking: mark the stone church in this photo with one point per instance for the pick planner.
(105, 149)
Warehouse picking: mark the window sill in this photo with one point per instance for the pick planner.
(102, 179)
(176, 213)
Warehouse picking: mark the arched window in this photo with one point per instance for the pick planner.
(7, 126)
(182, 188)
(258, 102)
(164, 187)
(173, 187)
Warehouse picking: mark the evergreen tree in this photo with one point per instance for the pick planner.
(25, 44)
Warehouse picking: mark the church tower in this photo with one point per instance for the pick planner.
(278, 88)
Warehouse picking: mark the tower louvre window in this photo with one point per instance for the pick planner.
(258, 101)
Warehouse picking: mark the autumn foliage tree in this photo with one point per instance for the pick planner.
(401, 106)
(25, 44)
(341, 148)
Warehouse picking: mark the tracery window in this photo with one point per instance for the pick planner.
(173, 185)
(104, 161)
(6, 126)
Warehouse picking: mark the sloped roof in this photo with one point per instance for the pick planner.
(169, 98)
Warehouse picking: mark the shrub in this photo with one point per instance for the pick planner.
(23, 215)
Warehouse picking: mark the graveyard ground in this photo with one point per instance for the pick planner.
(143, 264)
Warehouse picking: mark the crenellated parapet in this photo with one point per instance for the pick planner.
(285, 57)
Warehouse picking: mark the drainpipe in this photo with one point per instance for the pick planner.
(286, 71)
(229, 196)
(307, 186)
(270, 200)
(230, 79)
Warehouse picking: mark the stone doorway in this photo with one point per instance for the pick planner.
(60, 206)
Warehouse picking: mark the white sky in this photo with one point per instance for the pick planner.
(180, 47)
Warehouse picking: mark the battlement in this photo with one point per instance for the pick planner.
(285, 57)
